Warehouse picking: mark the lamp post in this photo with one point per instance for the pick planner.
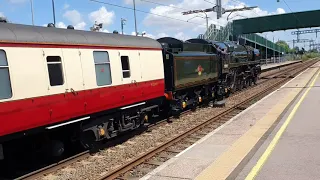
(54, 13)
(135, 18)
(207, 23)
(31, 2)
(122, 24)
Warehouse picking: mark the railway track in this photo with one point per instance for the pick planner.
(139, 166)
(149, 160)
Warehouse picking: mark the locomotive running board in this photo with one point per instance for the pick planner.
(66, 123)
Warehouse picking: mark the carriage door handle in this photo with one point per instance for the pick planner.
(134, 82)
(73, 92)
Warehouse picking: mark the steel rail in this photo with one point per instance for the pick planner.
(68, 161)
(142, 158)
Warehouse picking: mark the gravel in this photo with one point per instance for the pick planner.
(109, 159)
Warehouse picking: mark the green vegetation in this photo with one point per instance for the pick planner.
(296, 53)
(285, 45)
(310, 55)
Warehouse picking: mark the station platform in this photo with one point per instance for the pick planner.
(270, 66)
(276, 138)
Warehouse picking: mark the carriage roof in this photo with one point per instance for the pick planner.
(18, 33)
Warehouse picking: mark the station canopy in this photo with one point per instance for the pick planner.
(306, 19)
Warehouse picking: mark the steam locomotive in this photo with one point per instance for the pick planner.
(65, 86)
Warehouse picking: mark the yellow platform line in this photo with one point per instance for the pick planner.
(223, 166)
(255, 170)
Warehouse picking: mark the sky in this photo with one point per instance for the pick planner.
(154, 17)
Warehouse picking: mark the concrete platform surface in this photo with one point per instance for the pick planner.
(220, 154)
(295, 155)
(265, 67)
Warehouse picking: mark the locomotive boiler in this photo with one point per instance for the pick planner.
(240, 63)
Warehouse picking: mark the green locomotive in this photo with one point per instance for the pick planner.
(198, 71)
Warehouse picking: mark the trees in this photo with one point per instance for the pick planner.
(284, 45)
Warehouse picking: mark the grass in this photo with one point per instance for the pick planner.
(308, 56)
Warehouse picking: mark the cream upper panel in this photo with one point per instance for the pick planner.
(151, 65)
(89, 71)
(73, 69)
(27, 72)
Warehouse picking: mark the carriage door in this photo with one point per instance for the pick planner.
(128, 71)
(75, 90)
(57, 84)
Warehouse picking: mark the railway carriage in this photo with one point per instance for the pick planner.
(87, 84)
(64, 86)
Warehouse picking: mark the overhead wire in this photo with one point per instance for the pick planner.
(142, 11)
(258, 15)
(209, 2)
(268, 21)
(161, 4)
(175, 7)
(292, 11)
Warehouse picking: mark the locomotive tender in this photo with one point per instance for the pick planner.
(61, 85)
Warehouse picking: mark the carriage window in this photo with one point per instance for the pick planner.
(5, 84)
(125, 66)
(102, 66)
(55, 70)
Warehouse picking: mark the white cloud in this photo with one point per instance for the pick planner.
(157, 36)
(73, 15)
(102, 16)
(66, 6)
(75, 18)
(61, 25)
(80, 25)
(148, 35)
(161, 35)
(58, 25)
(181, 36)
(280, 11)
(194, 24)
(1, 14)
(183, 30)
